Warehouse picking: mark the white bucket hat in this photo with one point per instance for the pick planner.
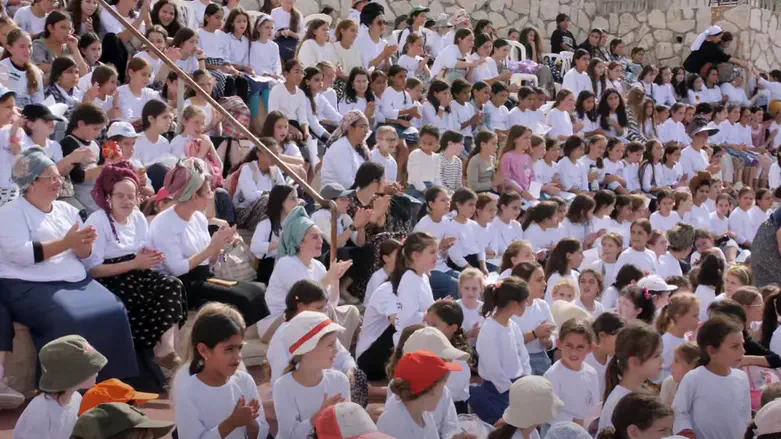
(532, 402)
(432, 339)
(563, 311)
(305, 330)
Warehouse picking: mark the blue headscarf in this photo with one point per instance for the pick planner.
(293, 231)
(31, 164)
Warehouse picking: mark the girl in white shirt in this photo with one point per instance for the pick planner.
(388, 253)
(586, 114)
(411, 414)
(466, 251)
(640, 414)
(562, 263)
(265, 240)
(136, 94)
(540, 226)
(397, 304)
(663, 93)
(314, 48)
(676, 319)
(158, 36)
(264, 55)
(559, 118)
(672, 172)
(573, 174)
(651, 172)
(214, 43)
(714, 400)
(470, 289)
(505, 229)
(590, 284)
(637, 254)
(151, 145)
(54, 411)
(740, 220)
(578, 223)
(672, 129)
(500, 347)
(310, 383)
(711, 90)
(397, 106)
(436, 111)
(664, 218)
(453, 58)
(24, 78)
(238, 35)
(643, 344)
(358, 96)
(413, 58)
(290, 100)
(437, 224)
(536, 323)
(695, 95)
(210, 389)
(192, 57)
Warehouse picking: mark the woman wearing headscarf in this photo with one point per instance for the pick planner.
(707, 52)
(766, 252)
(44, 247)
(300, 244)
(347, 150)
(123, 263)
(181, 233)
(375, 51)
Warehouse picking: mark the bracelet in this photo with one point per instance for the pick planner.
(534, 334)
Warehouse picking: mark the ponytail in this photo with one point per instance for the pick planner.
(680, 305)
(415, 243)
(637, 340)
(31, 70)
(503, 293)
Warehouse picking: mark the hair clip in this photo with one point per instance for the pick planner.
(296, 298)
(499, 283)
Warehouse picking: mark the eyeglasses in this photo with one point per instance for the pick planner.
(380, 22)
(52, 178)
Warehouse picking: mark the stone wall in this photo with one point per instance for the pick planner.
(666, 28)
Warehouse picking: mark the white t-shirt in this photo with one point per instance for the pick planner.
(282, 20)
(467, 242)
(544, 173)
(340, 163)
(131, 238)
(310, 53)
(16, 81)
(179, 239)
(415, 296)
(133, 105)
(576, 82)
(775, 341)
(472, 317)
(572, 175)
(537, 312)
(609, 406)
(156, 64)
(579, 390)
(644, 260)
(238, 50)
(439, 231)
(498, 118)
(292, 106)
(44, 417)
(111, 25)
(369, 48)
(503, 355)
(669, 343)
(592, 361)
(389, 163)
(382, 305)
(28, 22)
(664, 223)
(542, 239)
(693, 161)
(200, 408)
(264, 57)
(148, 152)
(214, 44)
(287, 271)
(378, 278)
(707, 295)
(396, 422)
(447, 59)
(295, 404)
(713, 406)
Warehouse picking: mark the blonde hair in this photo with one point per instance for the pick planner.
(680, 305)
(613, 236)
(190, 112)
(566, 283)
(385, 129)
(471, 274)
(741, 272)
(513, 250)
(689, 352)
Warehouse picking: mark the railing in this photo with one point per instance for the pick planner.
(185, 78)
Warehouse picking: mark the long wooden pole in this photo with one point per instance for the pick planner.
(183, 76)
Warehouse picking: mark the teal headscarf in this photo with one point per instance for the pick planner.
(31, 164)
(293, 230)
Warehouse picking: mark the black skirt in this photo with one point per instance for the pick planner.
(248, 297)
(373, 361)
(154, 302)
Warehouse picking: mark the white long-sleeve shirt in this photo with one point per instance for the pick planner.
(287, 271)
(537, 312)
(253, 183)
(200, 409)
(310, 53)
(560, 123)
(713, 406)
(664, 223)
(394, 101)
(572, 175)
(576, 82)
(44, 417)
(671, 130)
(503, 355)
(467, 242)
(340, 163)
(397, 422)
(295, 404)
(693, 161)
(422, 167)
(178, 239)
(542, 239)
(131, 238)
(439, 231)
(741, 223)
(293, 106)
(262, 239)
(663, 94)
(503, 234)
(382, 305)
(264, 57)
(415, 296)
(644, 260)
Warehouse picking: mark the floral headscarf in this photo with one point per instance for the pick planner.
(184, 180)
(350, 119)
(31, 164)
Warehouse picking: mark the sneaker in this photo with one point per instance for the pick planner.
(9, 398)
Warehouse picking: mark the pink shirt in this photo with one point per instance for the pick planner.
(517, 169)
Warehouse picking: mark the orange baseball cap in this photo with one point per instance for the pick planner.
(422, 369)
(113, 390)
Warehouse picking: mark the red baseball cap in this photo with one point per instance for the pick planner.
(422, 369)
(347, 420)
(162, 194)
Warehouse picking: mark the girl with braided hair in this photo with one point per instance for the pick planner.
(122, 261)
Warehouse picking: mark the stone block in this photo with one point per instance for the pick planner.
(478, 15)
(681, 26)
(739, 16)
(549, 9)
(629, 38)
(436, 8)
(704, 19)
(688, 13)
(688, 40)
(755, 20)
(727, 26)
(590, 8)
(657, 20)
(584, 21)
(511, 16)
(496, 5)
(663, 35)
(647, 42)
(600, 22)
(626, 24)
(497, 19)
(674, 14)
(777, 52)
(663, 50)
(534, 11)
(642, 16)
(762, 63)
(613, 18)
(522, 6)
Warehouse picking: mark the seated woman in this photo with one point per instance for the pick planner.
(257, 176)
(123, 264)
(43, 282)
(181, 233)
(300, 244)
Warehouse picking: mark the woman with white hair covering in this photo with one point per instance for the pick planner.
(707, 52)
(181, 233)
(44, 247)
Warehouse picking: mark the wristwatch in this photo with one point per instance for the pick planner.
(352, 227)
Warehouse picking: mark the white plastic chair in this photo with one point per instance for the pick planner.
(566, 58)
(518, 78)
(513, 53)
